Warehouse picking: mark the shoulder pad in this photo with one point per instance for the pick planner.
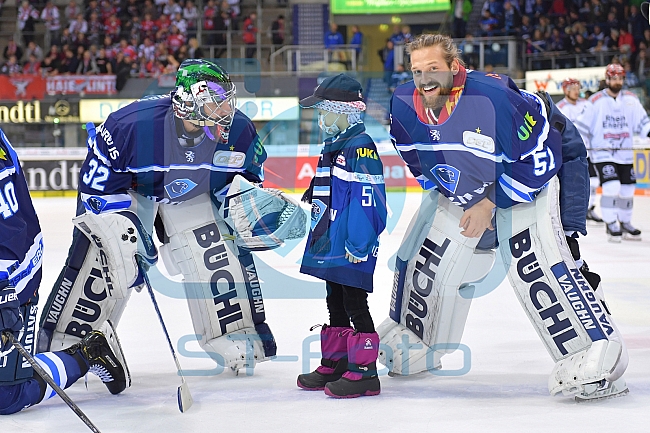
(596, 97)
(628, 93)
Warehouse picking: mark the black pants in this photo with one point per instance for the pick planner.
(349, 304)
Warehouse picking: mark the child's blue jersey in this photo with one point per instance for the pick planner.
(357, 210)
(21, 241)
(496, 143)
(137, 148)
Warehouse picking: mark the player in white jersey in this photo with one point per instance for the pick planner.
(609, 122)
(572, 106)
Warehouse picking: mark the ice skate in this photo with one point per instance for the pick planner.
(593, 216)
(614, 233)
(630, 232)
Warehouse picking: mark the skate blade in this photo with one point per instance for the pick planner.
(614, 239)
(185, 399)
(592, 392)
(629, 237)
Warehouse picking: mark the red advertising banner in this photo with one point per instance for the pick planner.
(295, 173)
(21, 87)
(81, 85)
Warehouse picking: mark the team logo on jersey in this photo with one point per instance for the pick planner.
(435, 134)
(189, 155)
(608, 171)
(224, 158)
(447, 176)
(96, 204)
(340, 160)
(317, 212)
(179, 187)
(478, 141)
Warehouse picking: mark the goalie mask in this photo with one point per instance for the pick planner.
(204, 94)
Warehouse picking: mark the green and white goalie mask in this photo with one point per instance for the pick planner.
(204, 94)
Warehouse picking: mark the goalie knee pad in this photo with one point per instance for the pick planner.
(568, 315)
(432, 289)
(221, 284)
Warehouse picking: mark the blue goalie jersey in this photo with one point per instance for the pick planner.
(497, 143)
(21, 241)
(137, 148)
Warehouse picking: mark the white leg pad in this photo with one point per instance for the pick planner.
(221, 284)
(432, 290)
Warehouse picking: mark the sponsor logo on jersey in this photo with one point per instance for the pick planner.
(224, 158)
(609, 171)
(447, 176)
(435, 134)
(179, 187)
(614, 122)
(189, 155)
(317, 212)
(96, 204)
(364, 152)
(543, 298)
(340, 160)
(527, 127)
(478, 141)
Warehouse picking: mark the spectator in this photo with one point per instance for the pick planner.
(107, 10)
(67, 38)
(511, 19)
(557, 41)
(93, 7)
(233, 10)
(210, 12)
(397, 37)
(12, 49)
(495, 7)
(400, 76)
(626, 42)
(612, 22)
(387, 55)
(164, 26)
(180, 23)
(150, 9)
(191, 16)
(103, 63)
(357, 41)
(172, 8)
(526, 29)
(557, 8)
(195, 51)
(133, 29)
(277, 32)
(333, 37)
(148, 27)
(81, 41)
(79, 24)
(52, 19)
(87, 66)
(147, 50)
(641, 64)
(32, 66)
(539, 9)
(71, 11)
(221, 26)
(113, 27)
(631, 78)
(69, 63)
(123, 67)
(127, 50)
(52, 62)
(489, 24)
(175, 40)
(27, 15)
(33, 48)
(461, 11)
(95, 29)
(131, 10)
(612, 41)
(637, 23)
(250, 35)
(181, 55)
(406, 34)
(11, 66)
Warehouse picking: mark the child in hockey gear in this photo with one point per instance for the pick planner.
(611, 149)
(348, 201)
(21, 250)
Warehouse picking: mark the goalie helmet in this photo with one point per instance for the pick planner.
(204, 94)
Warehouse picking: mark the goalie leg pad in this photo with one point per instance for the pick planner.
(432, 289)
(221, 284)
(80, 300)
(569, 316)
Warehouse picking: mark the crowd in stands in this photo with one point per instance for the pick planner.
(583, 28)
(121, 37)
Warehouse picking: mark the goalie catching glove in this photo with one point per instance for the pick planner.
(262, 219)
(120, 236)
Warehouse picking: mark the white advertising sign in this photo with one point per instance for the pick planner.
(550, 80)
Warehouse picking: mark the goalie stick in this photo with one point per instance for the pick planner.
(46, 377)
(185, 400)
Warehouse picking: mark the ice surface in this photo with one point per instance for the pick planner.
(505, 389)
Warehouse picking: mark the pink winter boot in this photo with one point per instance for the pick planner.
(361, 377)
(334, 345)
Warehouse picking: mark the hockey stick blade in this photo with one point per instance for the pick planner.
(46, 377)
(183, 395)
